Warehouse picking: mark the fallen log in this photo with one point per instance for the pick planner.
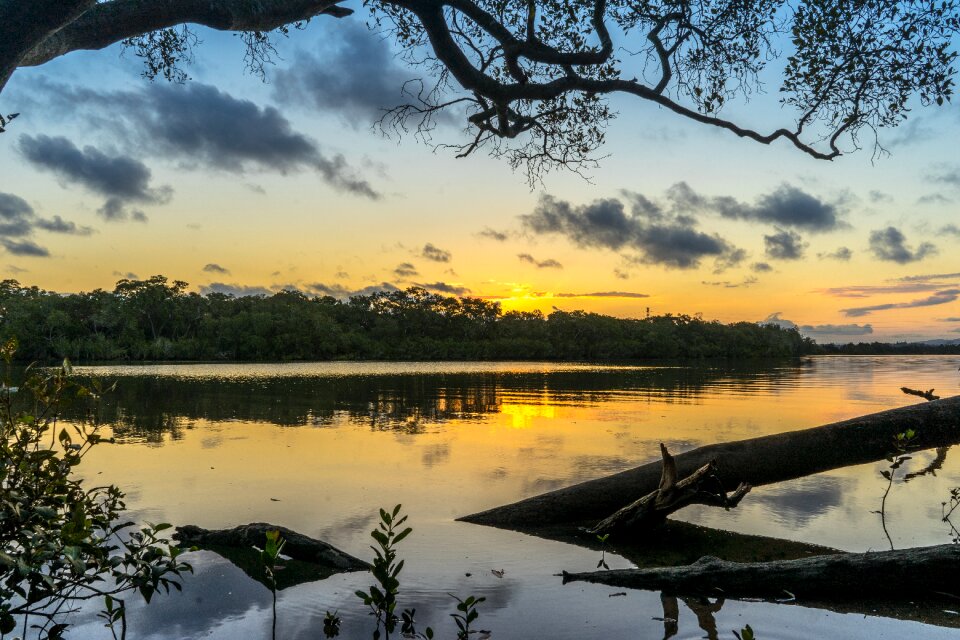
(905, 573)
(926, 395)
(247, 536)
(700, 487)
(755, 461)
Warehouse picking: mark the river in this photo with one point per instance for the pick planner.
(319, 447)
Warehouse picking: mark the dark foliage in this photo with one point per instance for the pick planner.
(157, 320)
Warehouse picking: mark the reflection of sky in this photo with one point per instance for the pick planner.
(330, 481)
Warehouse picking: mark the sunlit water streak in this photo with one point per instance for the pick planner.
(318, 447)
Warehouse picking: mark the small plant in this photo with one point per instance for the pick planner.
(466, 613)
(269, 556)
(331, 625)
(382, 599)
(948, 508)
(745, 634)
(603, 551)
(408, 628)
(901, 443)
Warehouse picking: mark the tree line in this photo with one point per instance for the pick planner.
(156, 319)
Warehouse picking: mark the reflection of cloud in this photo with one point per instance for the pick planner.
(799, 501)
(890, 245)
(940, 297)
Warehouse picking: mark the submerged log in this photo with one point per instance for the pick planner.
(756, 461)
(247, 536)
(905, 573)
(926, 395)
(700, 487)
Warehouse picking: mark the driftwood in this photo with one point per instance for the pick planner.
(247, 536)
(700, 487)
(906, 573)
(756, 461)
(927, 395)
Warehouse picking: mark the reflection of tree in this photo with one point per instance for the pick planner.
(701, 607)
(146, 407)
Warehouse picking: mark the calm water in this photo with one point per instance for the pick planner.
(319, 447)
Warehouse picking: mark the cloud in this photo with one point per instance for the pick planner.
(431, 252)
(19, 220)
(726, 284)
(549, 263)
(405, 270)
(603, 294)
(129, 275)
(784, 245)
(785, 206)
(56, 224)
(929, 276)
(653, 236)
(890, 245)
(122, 179)
(12, 268)
(201, 125)
(621, 275)
(948, 319)
(841, 253)
(950, 229)
(903, 286)
(342, 293)
(761, 267)
(236, 290)
(493, 234)
(24, 248)
(444, 287)
(213, 267)
(945, 175)
(355, 75)
(934, 198)
(940, 297)
(730, 260)
(819, 331)
(879, 196)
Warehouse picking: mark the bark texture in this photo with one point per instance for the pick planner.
(919, 572)
(756, 461)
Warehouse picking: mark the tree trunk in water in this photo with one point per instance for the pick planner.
(756, 461)
(906, 573)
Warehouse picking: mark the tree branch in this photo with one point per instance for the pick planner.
(110, 22)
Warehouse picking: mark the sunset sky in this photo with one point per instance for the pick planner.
(244, 186)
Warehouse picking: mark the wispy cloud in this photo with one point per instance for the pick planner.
(549, 263)
(941, 297)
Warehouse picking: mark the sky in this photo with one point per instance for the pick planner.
(241, 185)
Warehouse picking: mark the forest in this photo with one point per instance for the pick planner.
(156, 319)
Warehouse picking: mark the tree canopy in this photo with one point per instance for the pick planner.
(532, 79)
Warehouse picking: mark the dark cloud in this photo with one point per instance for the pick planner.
(784, 245)
(431, 252)
(603, 294)
(726, 284)
(940, 297)
(405, 270)
(841, 253)
(443, 287)
(761, 267)
(493, 234)
(236, 290)
(213, 267)
(356, 75)
(819, 331)
(929, 276)
(945, 175)
(934, 198)
(654, 236)
(201, 125)
(890, 245)
(730, 260)
(19, 220)
(621, 275)
(786, 206)
(549, 263)
(24, 248)
(122, 179)
(342, 293)
(56, 224)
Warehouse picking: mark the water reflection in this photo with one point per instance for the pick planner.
(148, 404)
